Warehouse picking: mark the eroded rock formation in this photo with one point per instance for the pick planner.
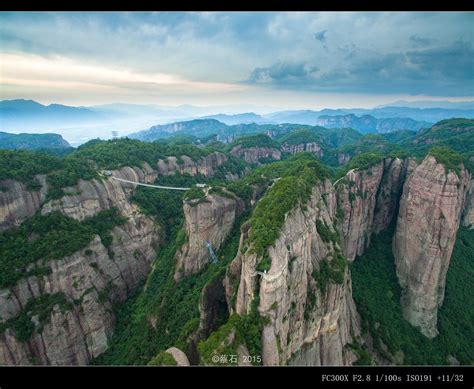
(255, 154)
(429, 216)
(310, 147)
(207, 220)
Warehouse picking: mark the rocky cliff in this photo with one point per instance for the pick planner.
(468, 216)
(205, 166)
(17, 203)
(356, 201)
(209, 219)
(255, 154)
(429, 216)
(310, 318)
(77, 328)
(310, 147)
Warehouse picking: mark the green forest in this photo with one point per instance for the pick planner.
(377, 295)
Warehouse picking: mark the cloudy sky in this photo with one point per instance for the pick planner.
(305, 60)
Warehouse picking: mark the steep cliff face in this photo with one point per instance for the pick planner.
(185, 165)
(255, 154)
(17, 203)
(356, 199)
(428, 220)
(88, 281)
(310, 147)
(468, 216)
(207, 220)
(310, 317)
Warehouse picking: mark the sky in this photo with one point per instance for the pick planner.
(276, 59)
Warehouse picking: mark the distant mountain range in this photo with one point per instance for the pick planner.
(16, 114)
(429, 115)
(241, 118)
(32, 141)
(79, 124)
(370, 124)
(205, 127)
(202, 128)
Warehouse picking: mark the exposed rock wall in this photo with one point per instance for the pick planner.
(356, 198)
(185, 165)
(17, 203)
(90, 279)
(207, 220)
(468, 216)
(428, 220)
(310, 147)
(254, 154)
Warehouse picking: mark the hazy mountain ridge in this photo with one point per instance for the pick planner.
(32, 141)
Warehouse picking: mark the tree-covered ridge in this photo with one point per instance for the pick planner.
(294, 181)
(258, 140)
(379, 306)
(49, 237)
(117, 153)
(87, 160)
(448, 157)
(32, 141)
(301, 136)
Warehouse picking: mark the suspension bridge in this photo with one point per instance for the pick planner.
(109, 175)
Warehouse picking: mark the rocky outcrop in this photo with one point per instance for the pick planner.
(468, 216)
(90, 280)
(308, 322)
(205, 166)
(207, 220)
(180, 357)
(17, 203)
(310, 147)
(255, 154)
(356, 200)
(87, 198)
(428, 220)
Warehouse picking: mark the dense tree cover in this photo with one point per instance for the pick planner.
(194, 193)
(48, 237)
(258, 140)
(23, 165)
(41, 308)
(399, 136)
(293, 188)
(301, 136)
(448, 157)
(362, 161)
(32, 141)
(380, 310)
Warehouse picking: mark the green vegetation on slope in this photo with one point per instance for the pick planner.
(174, 307)
(258, 140)
(377, 295)
(294, 186)
(49, 237)
(448, 157)
(301, 136)
(40, 307)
